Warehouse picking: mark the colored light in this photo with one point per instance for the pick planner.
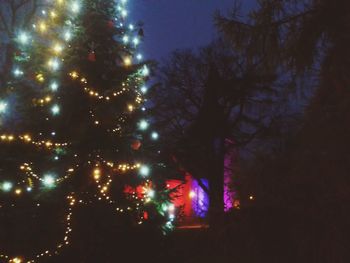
(67, 35)
(143, 125)
(192, 194)
(49, 181)
(125, 39)
(7, 186)
(144, 89)
(151, 193)
(23, 38)
(136, 41)
(145, 71)
(144, 170)
(155, 135)
(139, 56)
(127, 61)
(3, 107)
(54, 64)
(75, 7)
(17, 72)
(55, 110)
(54, 86)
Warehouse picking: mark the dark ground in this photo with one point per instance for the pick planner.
(251, 236)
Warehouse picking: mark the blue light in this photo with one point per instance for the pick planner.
(143, 125)
(155, 135)
(144, 89)
(54, 86)
(55, 109)
(3, 107)
(144, 170)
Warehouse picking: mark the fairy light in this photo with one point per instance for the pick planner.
(143, 125)
(55, 109)
(155, 136)
(7, 186)
(3, 107)
(145, 170)
(23, 38)
(49, 181)
(104, 173)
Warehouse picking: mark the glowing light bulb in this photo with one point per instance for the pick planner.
(57, 48)
(75, 7)
(145, 71)
(192, 194)
(7, 186)
(54, 64)
(124, 13)
(136, 41)
(49, 181)
(139, 56)
(3, 107)
(67, 35)
(17, 72)
(143, 125)
(144, 89)
(54, 86)
(151, 193)
(155, 135)
(23, 38)
(144, 170)
(55, 109)
(127, 61)
(125, 39)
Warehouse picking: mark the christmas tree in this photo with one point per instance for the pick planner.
(74, 125)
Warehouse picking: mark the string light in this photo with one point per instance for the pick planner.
(62, 13)
(3, 107)
(143, 125)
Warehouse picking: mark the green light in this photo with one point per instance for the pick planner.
(145, 170)
(3, 107)
(7, 186)
(143, 125)
(55, 109)
(49, 181)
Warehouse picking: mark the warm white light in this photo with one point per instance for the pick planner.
(192, 194)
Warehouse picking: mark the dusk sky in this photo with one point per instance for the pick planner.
(176, 24)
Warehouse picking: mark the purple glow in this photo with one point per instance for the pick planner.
(200, 199)
(229, 162)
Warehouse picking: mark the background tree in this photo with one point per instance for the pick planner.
(301, 36)
(206, 98)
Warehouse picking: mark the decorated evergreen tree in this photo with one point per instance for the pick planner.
(74, 126)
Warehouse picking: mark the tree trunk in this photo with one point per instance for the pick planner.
(216, 184)
(8, 64)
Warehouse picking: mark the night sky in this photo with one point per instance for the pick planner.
(177, 24)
